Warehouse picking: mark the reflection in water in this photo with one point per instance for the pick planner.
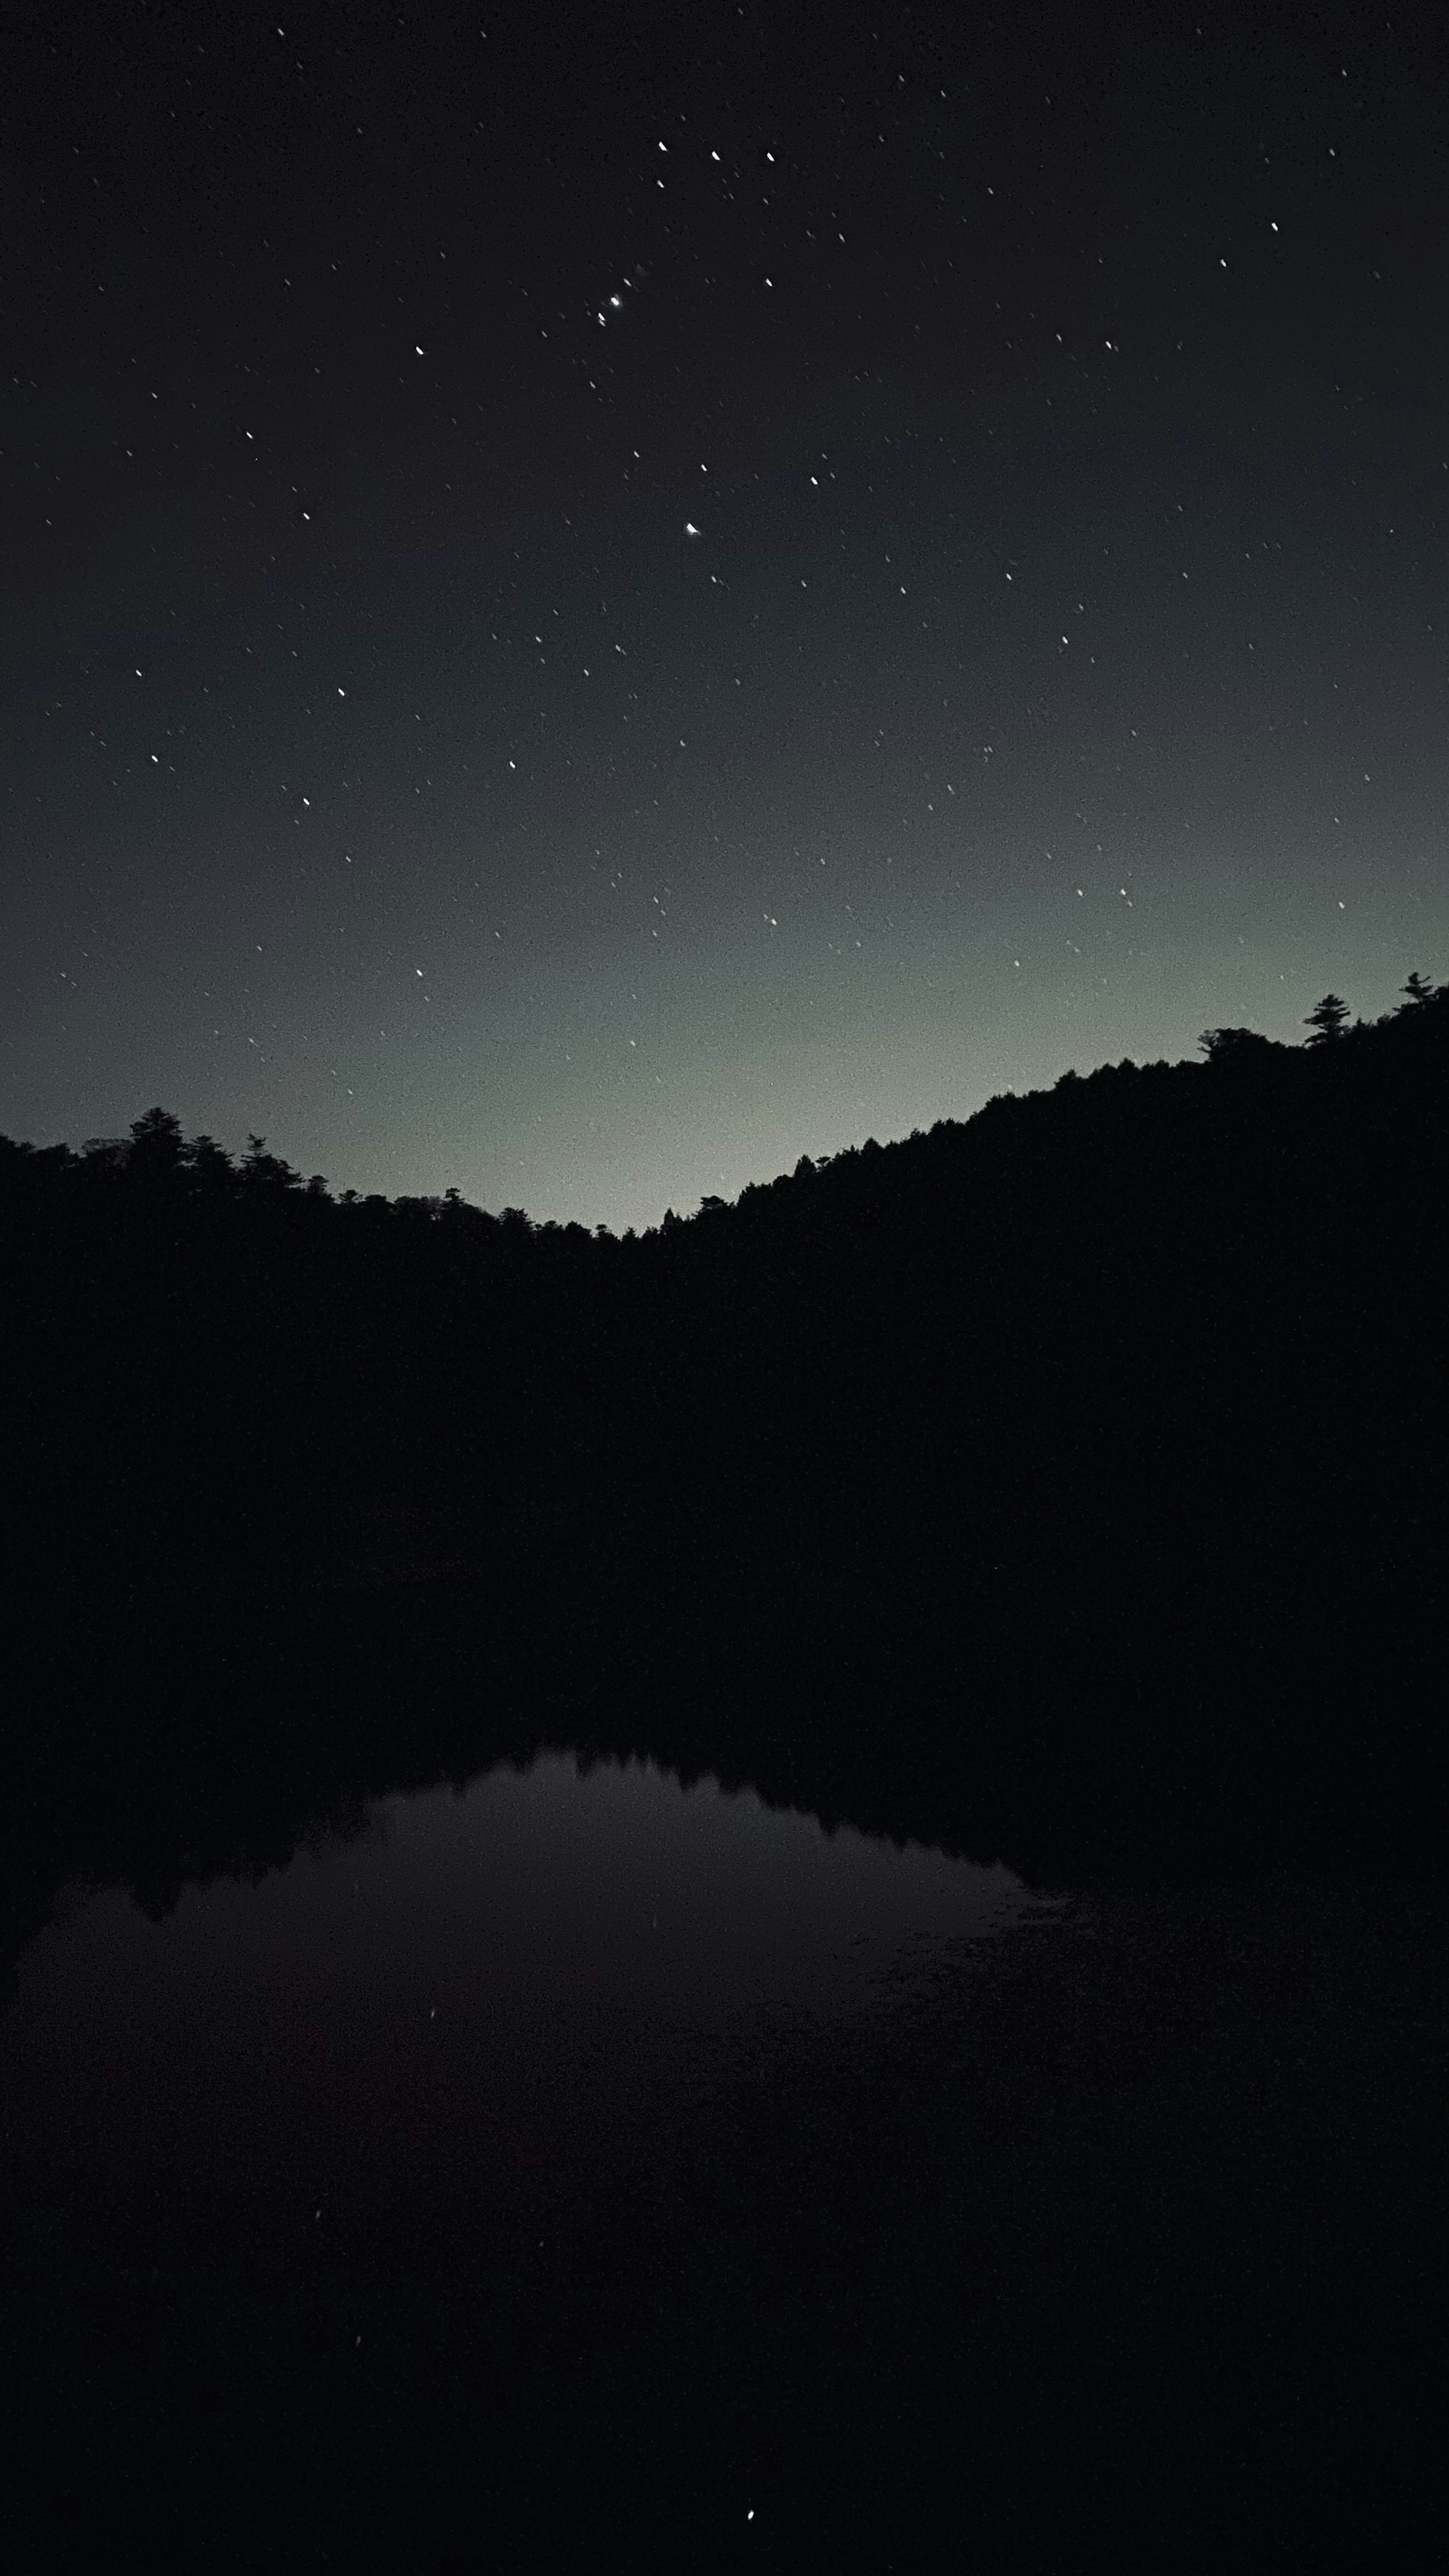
(498, 1986)
(579, 2152)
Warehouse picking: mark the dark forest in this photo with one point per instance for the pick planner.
(1064, 1487)
(1087, 1455)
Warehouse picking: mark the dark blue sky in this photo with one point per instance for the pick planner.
(594, 603)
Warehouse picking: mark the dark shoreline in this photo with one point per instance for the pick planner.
(154, 1745)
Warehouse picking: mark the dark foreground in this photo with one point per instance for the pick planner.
(1115, 2242)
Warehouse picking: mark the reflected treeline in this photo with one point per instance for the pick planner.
(1067, 1483)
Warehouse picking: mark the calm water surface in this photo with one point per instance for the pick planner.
(502, 1987)
(579, 2152)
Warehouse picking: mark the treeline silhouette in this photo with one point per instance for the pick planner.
(1102, 1434)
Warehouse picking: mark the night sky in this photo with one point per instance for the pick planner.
(591, 603)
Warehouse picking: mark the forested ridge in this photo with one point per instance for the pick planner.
(1127, 1393)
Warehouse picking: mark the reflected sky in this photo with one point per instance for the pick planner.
(495, 1986)
(567, 2155)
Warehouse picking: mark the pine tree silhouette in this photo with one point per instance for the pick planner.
(1327, 1019)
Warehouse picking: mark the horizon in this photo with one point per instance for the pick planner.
(338, 1187)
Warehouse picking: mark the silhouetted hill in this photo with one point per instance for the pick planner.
(1101, 1434)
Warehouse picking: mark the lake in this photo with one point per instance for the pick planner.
(500, 1986)
(574, 2152)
